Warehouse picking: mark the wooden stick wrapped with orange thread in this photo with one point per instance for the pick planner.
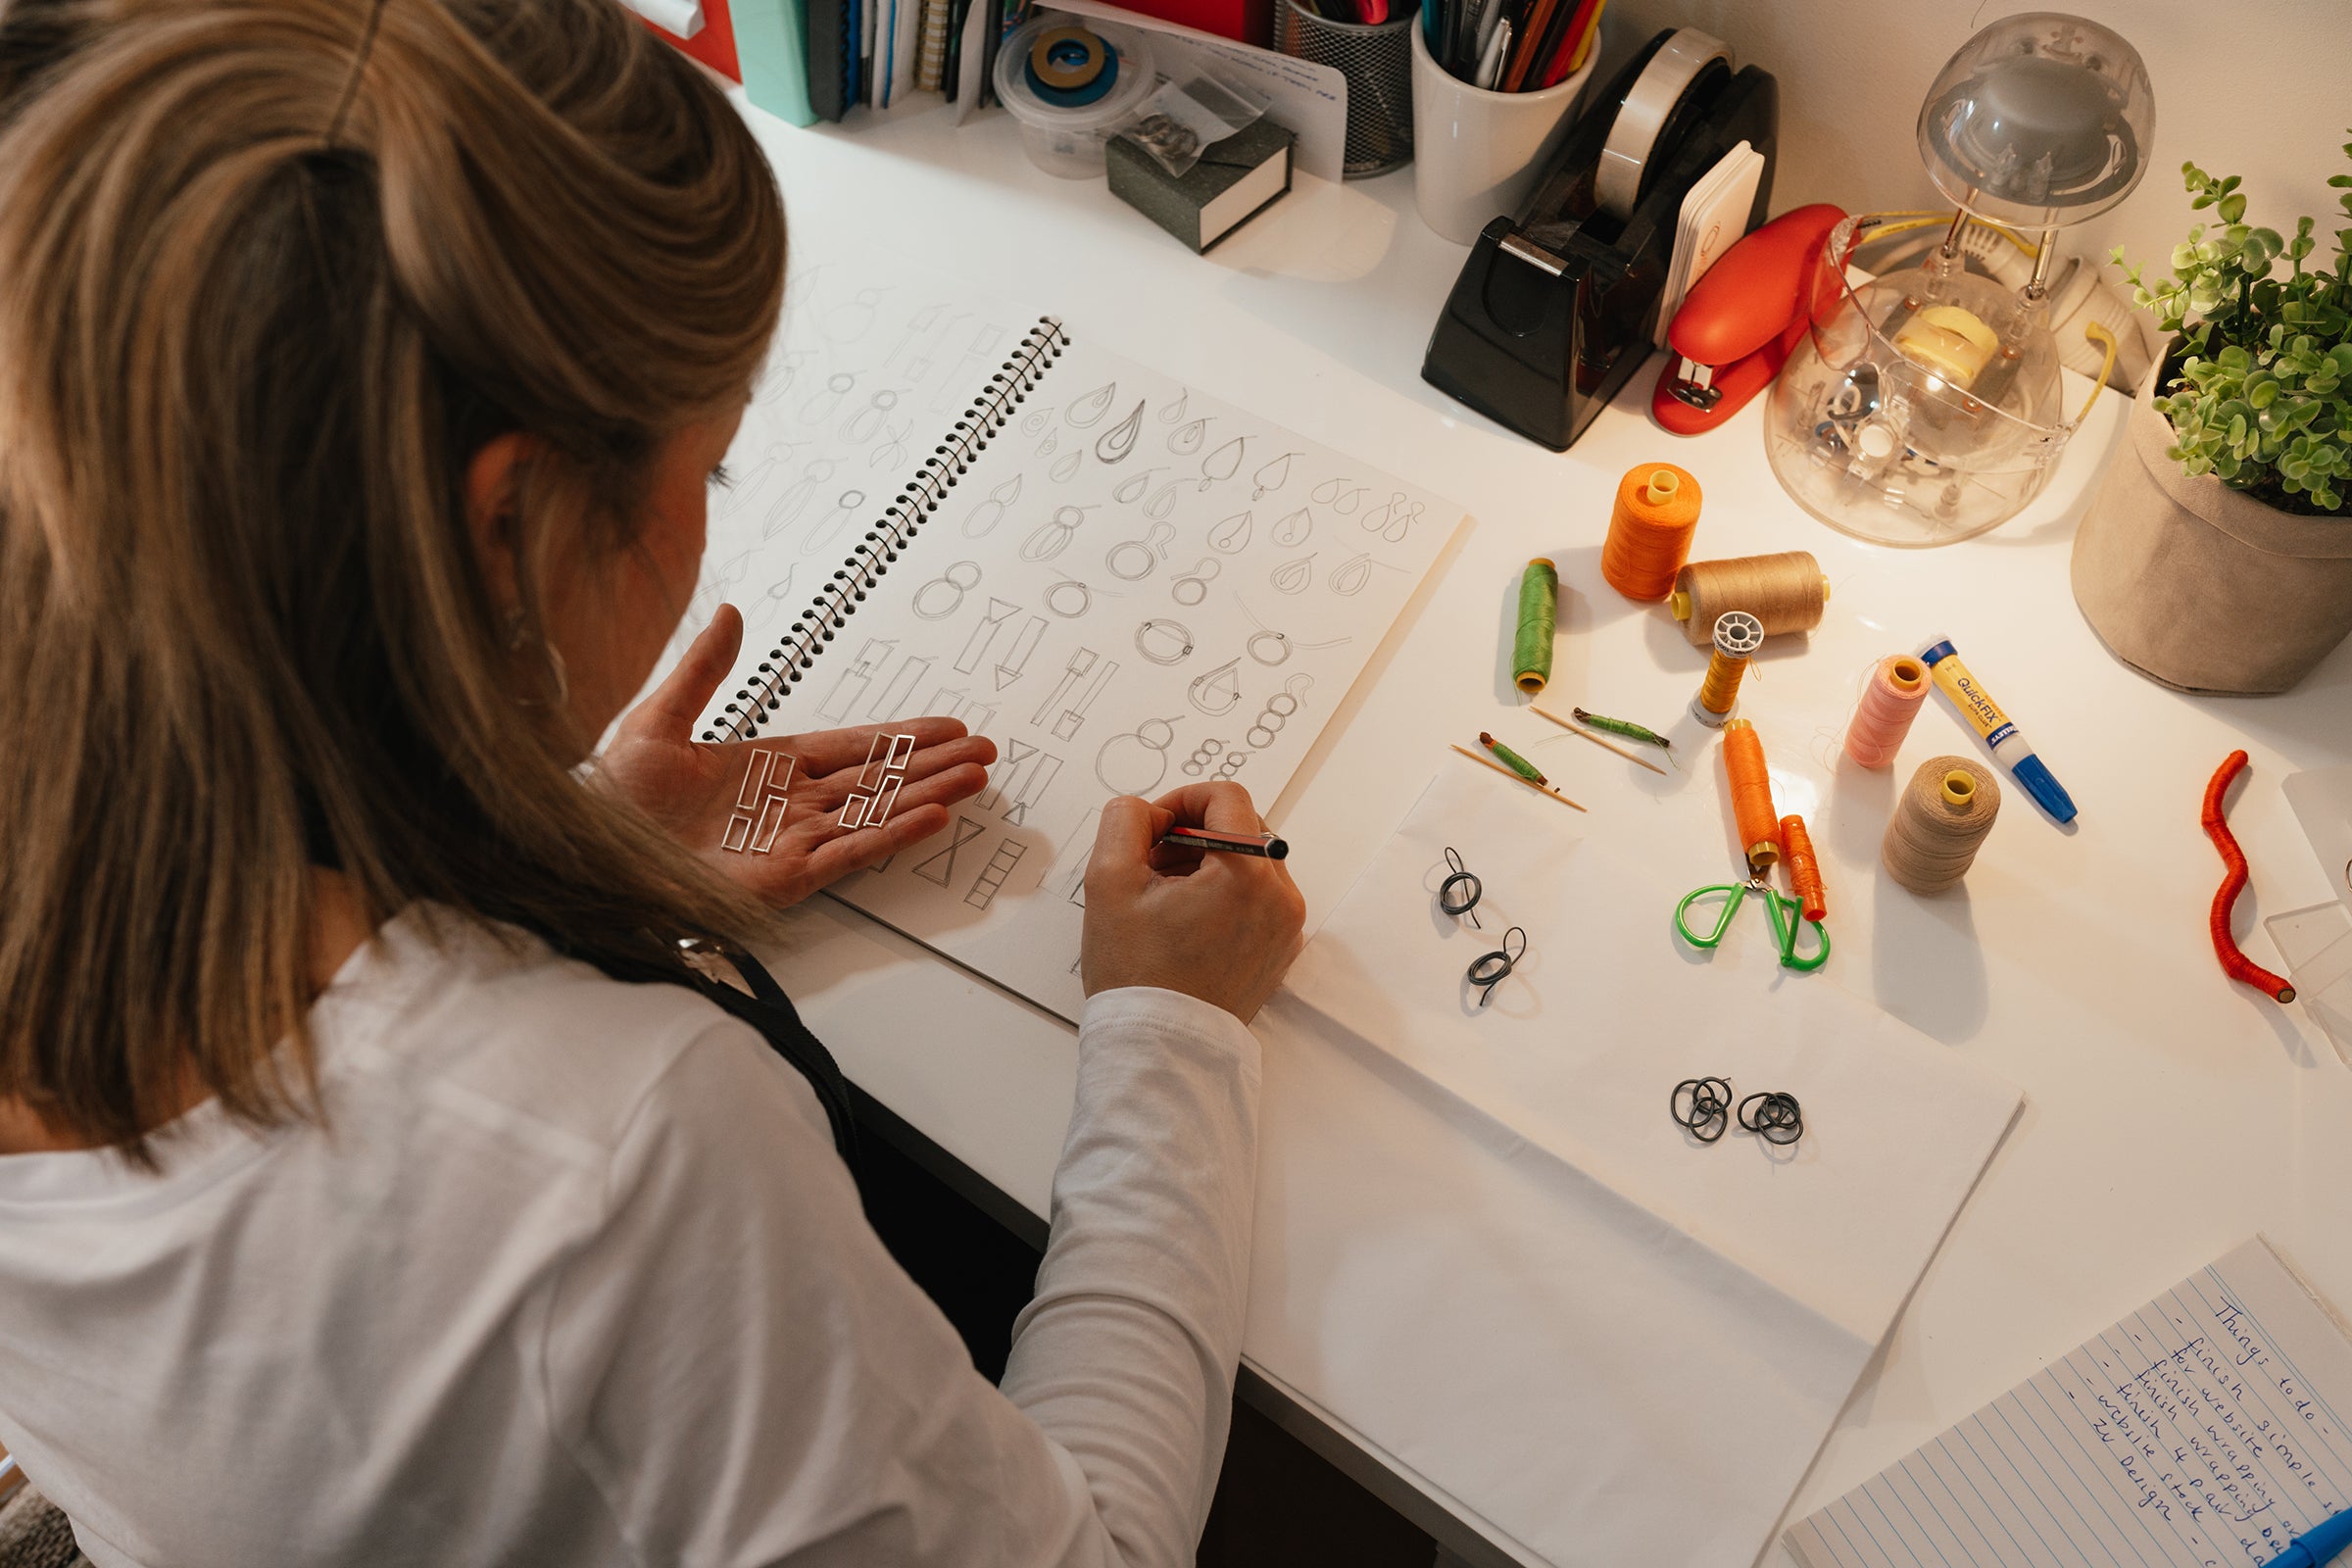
(1751, 796)
(1804, 870)
(2234, 962)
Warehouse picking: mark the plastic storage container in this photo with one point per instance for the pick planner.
(1067, 139)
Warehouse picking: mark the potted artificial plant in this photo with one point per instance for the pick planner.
(2217, 556)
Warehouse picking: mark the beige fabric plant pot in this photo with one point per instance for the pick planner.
(2198, 586)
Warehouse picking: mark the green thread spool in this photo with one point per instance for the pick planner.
(1539, 617)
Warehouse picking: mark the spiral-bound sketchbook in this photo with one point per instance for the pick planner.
(943, 508)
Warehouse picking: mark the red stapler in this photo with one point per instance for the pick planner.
(1738, 322)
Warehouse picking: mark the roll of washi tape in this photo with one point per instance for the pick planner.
(1651, 525)
(1539, 617)
(1898, 684)
(1071, 66)
(1785, 592)
(1941, 820)
(1759, 823)
(1737, 635)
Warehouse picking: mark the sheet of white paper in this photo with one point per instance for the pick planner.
(2201, 1430)
(1692, 1317)
(2322, 801)
(2317, 947)
(1306, 98)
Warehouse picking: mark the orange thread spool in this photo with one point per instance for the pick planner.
(1649, 530)
(1898, 684)
(1751, 796)
(1737, 635)
(1804, 870)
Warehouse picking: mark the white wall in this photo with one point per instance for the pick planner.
(2261, 88)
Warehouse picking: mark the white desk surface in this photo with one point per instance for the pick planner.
(2169, 1114)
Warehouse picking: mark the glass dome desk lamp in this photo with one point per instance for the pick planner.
(1924, 407)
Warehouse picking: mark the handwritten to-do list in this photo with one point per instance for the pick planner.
(2205, 1429)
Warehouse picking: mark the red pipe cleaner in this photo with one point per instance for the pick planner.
(2234, 963)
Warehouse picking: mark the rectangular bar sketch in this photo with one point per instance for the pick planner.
(1073, 717)
(856, 678)
(992, 876)
(892, 704)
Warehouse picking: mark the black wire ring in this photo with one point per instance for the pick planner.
(1777, 1118)
(1445, 898)
(1489, 970)
(1709, 1108)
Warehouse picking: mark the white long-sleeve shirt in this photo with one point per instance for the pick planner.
(572, 1274)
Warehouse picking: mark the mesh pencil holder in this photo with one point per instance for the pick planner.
(1378, 63)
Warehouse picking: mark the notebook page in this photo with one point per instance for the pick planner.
(2205, 1429)
(1133, 587)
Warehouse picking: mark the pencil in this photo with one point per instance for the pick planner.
(1540, 789)
(1606, 746)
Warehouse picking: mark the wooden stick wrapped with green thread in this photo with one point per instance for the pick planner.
(1538, 616)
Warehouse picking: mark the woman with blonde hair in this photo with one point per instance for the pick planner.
(383, 1176)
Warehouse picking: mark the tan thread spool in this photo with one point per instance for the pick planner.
(1786, 592)
(1650, 526)
(1945, 811)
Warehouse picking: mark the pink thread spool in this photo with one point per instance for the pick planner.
(1898, 684)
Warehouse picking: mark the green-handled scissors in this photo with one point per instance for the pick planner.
(1786, 921)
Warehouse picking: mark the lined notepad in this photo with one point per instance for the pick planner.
(2205, 1429)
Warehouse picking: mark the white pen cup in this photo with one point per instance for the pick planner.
(1476, 153)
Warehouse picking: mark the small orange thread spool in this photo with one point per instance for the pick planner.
(1651, 525)
(1737, 635)
(1751, 796)
(1804, 870)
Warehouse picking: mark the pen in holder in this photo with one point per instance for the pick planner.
(1377, 61)
(1480, 151)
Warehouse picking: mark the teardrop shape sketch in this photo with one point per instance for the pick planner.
(1050, 445)
(1163, 641)
(1162, 502)
(793, 502)
(1034, 421)
(1291, 529)
(1219, 691)
(1273, 476)
(1232, 535)
(1175, 411)
(830, 528)
(1187, 440)
(828, 403)
(1349, 579)
(1064, 466)
(1135, 762)
(1221, 464)
(1131, 489)
(1136, 559)
(1113, 444)
(1393, 518)
(862, 424)
(1293, 576)
(1193, 587)
(983, 519)
(1342, 495)
(1083, 413)
(1052, 537)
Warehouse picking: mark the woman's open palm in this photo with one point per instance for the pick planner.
(720, 798)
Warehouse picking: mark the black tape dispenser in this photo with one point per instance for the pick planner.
(1558, 306)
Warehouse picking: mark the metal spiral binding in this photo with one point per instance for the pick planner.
(791, 659)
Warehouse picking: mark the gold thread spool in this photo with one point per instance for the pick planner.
(1939, 824)
(1786, 592)
(1737, 634)
(1650, 526)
